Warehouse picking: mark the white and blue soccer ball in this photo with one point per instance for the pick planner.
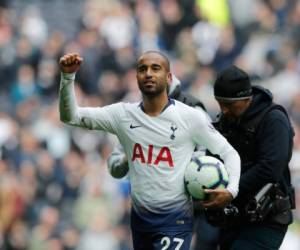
(204, 172)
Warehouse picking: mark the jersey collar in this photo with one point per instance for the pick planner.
(170, 102)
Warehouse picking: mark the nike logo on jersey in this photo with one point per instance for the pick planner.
(136, 126)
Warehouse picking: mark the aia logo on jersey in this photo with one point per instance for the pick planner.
(173, 129)
(164, 155)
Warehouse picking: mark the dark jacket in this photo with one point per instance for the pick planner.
(186, 98)
(265, 155)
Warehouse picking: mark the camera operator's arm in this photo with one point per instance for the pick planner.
(274, 144)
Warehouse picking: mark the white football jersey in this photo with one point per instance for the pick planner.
(158, 148)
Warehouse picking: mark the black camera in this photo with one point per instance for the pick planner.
(226, 217)
(270, 202)
(261, 205)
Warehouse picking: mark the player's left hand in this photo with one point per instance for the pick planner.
(218, 198)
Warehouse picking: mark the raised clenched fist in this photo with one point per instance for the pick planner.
(70, 63)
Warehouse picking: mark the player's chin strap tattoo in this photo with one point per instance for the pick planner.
(269, 203)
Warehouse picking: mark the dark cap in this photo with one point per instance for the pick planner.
(232, 84)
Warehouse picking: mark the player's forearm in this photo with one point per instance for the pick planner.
(232, 163)
(67, 102)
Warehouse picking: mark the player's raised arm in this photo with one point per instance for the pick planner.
(97, 118)
(69, 64)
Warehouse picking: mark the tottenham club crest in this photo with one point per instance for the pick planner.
(173, 129)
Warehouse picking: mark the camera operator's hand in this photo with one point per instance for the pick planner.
(218, 198)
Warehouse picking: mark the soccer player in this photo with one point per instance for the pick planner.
(117, 162)
(159, 136)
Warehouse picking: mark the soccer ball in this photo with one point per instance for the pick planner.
(204, 172)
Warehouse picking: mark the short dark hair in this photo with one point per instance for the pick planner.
(166, 59)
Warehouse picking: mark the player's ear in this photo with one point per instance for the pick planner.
(169, 78)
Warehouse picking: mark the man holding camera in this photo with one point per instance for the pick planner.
(263, 136)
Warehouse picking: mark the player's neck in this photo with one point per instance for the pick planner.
(153, 106)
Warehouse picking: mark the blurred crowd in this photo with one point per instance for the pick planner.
(55, 190)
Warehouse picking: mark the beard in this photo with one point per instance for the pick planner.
(152, 91)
